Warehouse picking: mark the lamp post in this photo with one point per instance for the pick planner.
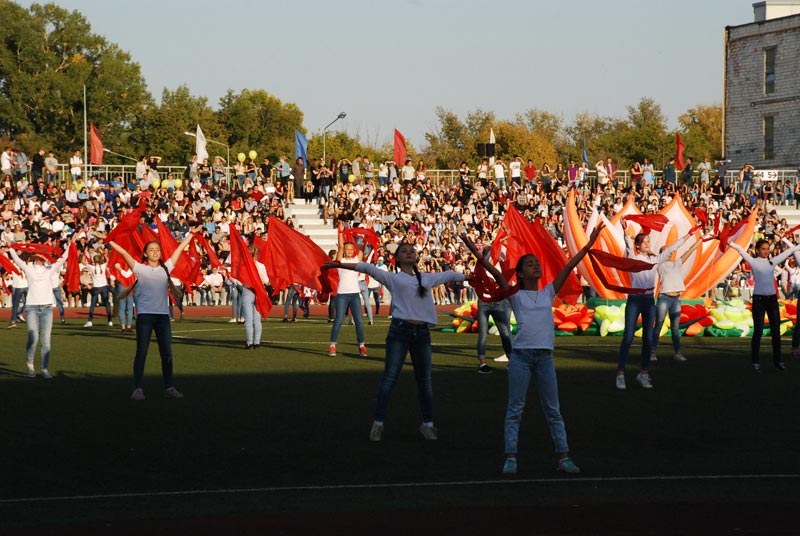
(324, 133)
(227, 147)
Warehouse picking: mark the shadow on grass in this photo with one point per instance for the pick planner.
(288, 415)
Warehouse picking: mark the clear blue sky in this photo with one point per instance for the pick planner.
(389, 64)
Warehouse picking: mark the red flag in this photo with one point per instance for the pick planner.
(243, 268)
(95, 146)
(52, 253)
(292, 257)
(73, 275)
(8, 265)
(128, 224)
(520, 237)
(212, 255)
(679, 147)
(399, 148)
(599, 257)
(649, 222)
(363, 236)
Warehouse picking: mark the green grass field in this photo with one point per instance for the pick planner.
(283, 429)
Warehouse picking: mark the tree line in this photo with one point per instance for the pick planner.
(48, 54)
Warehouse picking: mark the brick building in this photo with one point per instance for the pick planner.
(761, 107)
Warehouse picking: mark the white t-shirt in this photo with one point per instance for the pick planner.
(75, 165)
(516, 169)
(533, 310)
(348, 279)
(499, 171)
(151, 290)
(406, 303)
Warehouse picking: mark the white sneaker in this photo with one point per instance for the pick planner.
(232, 321)
(644, 380)
(46, 374)
(620, 382)
(376, 432)
(680, 357)
(171, 392)
(88, 324)
(31, 371)
(428, 432)
(110, 324)
(138, 394)
(502, 359)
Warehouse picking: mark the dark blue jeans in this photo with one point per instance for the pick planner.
(636, 304)
(103, 293)
(501, 312)
(145, 325)
(769, 304)
(404, 337)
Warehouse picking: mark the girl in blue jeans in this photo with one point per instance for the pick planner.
(413, 313)
(532, 349)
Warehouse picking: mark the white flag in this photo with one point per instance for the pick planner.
(492, 140)
(200, 148)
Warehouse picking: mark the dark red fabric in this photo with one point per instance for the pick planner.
(649, 222)
(50, 252)
(486, 287)
(521, 237)
(212, 255)
(95, 147)
(362, 236)
(727, 232)
(73, 274)
(8, 265)
(292, 257)
(598, 257)
(243, 268)
(702, 215)
(129, 223)
(399, 148)
(679, 147)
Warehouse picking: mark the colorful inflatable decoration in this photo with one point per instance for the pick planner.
(735, 319)
(708, 264)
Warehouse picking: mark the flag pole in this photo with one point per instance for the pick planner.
(85, 134)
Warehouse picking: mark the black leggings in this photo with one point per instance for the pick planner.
(769, 304)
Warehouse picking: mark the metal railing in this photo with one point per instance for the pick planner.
(436, 176)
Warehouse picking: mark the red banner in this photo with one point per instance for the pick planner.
(95, 147)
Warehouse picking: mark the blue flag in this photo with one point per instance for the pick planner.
(300, 146)
(585, 156)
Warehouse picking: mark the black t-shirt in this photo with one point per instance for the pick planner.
(266, 170)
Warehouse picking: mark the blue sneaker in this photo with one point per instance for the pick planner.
(510, 467)
(568, 466)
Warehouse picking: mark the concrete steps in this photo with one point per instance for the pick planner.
(308, 220)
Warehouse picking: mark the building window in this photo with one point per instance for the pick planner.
(769, 70)
(769, 137)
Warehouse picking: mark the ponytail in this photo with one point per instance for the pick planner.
(421, 290)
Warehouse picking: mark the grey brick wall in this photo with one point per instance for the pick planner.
(746, 104)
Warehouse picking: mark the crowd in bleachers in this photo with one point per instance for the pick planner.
(400, 202)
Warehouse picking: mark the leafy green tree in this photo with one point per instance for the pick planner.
(701, 129)
(256, 120)
(47, 55)
(161, 128)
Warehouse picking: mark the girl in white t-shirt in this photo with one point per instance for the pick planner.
(348, 296)
(413, 313)
(532, 349)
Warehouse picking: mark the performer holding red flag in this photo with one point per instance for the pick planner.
(532, 349)
(39, 304)
(152, 299)
(348, 295)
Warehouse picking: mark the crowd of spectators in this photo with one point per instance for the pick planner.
(400, 202)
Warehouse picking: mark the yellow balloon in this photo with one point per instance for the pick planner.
(156, 184)
(216, 206)
(352, 178)
(241, 157)
(253, 155)
(178, 183)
